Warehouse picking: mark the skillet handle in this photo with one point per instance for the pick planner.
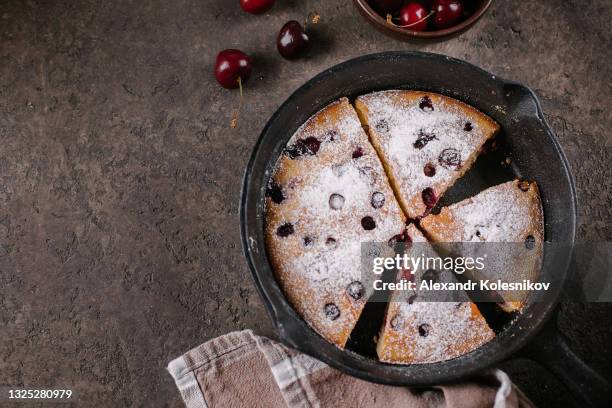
(550, 349)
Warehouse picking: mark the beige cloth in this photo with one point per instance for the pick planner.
(241, 369)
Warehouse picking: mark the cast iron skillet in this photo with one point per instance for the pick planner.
(536, 155)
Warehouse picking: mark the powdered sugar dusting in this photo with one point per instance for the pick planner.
(324, 262)
(503, 213)
(498, 214)
(439, 331)
(418, 331)
(413, 137)
(327, 200)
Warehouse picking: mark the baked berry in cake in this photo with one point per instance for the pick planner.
(328, 195)
(417, 331)
(507, 213)
(426, 141)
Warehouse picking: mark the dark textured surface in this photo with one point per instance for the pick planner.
(119, 175)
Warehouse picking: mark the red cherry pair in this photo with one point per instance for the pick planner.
(233, 67)
(415, 16)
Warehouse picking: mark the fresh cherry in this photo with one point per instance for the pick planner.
(413, 16)
(388, 6)
(232, 68)
(447, 12)
(256, 6)
(292, 41)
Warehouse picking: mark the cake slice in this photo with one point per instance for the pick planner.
(417, 331)
(426, 141)
(507, 213)
(328, 195)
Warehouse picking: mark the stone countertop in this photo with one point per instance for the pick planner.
(120, 176)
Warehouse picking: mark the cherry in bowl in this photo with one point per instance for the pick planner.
(414, 16)
(447, 13)
(422, 19)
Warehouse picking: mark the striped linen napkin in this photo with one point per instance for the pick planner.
(241, 369)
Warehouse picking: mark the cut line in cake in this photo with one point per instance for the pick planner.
(426, 142)
(329, 194)
(417, 331)
(508, 213)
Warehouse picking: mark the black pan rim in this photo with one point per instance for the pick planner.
(447, 373)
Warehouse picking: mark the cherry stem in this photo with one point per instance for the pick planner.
(313, 18)
(389, 20)
(234, 121)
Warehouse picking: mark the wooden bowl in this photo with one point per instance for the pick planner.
(477, 9)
